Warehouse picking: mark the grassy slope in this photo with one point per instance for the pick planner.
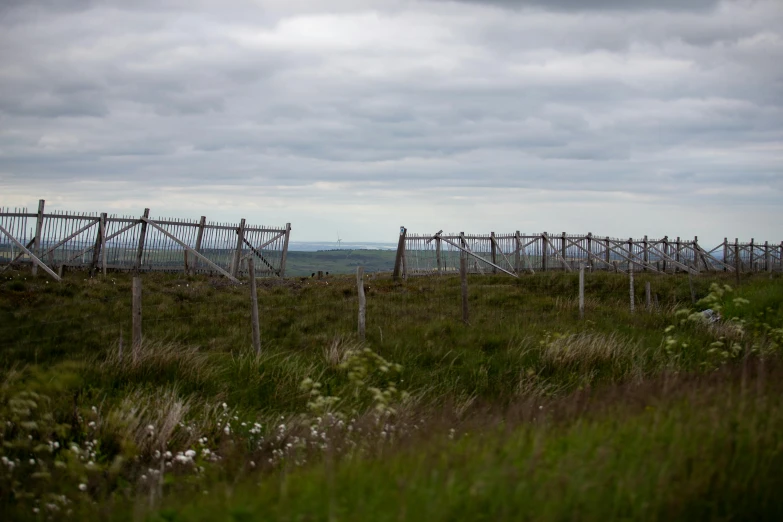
(525, 343)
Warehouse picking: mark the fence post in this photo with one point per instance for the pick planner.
(493, 251)
(96, 251)
(103, 242)
(199, 236)
(737, 260)
(563, 251)
(645, 256)
(518, 244)
(677, 254)
(362, 300)
(581, 290)
(630, 252)
(38, 229)
(400, 251)
(284, 255)
(136, 332)
(238, 251)
(752, 248)
(647, 296)
(665, 251)
(725, 253)
(767, 263)
(437, 255)
(463, 274)
(254, 306)
(630, 277)
(544, 253)
(590, 250)
(142, 238)
(690, 285)
(606, 252)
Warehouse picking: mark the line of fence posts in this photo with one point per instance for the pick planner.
(136, 332)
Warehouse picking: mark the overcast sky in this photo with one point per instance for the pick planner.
(362, 115)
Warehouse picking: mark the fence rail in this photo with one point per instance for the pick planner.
(101, 241)
(424, 254)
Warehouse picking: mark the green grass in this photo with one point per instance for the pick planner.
(629, 428)
(343, 261)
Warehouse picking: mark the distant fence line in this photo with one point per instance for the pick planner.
(423, 254)
(101, 241)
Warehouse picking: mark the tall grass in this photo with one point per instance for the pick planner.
(528, 412)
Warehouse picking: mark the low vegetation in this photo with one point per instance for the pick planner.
(527, 412)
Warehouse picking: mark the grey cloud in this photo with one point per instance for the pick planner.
(602, 5)
(658, 102)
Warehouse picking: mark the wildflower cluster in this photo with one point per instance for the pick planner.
(729, 333)
(361, 366)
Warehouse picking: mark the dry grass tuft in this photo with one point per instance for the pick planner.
(148, 419)
(587, 349)
(160, 357)
(336, 352)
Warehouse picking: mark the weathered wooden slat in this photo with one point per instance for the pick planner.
(66, 217)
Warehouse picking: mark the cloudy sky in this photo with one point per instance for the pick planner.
(361, 116)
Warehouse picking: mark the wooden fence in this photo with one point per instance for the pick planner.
(101, 241)
(422, 254)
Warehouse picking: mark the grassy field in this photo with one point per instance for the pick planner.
(303, 264)
(525, 413)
